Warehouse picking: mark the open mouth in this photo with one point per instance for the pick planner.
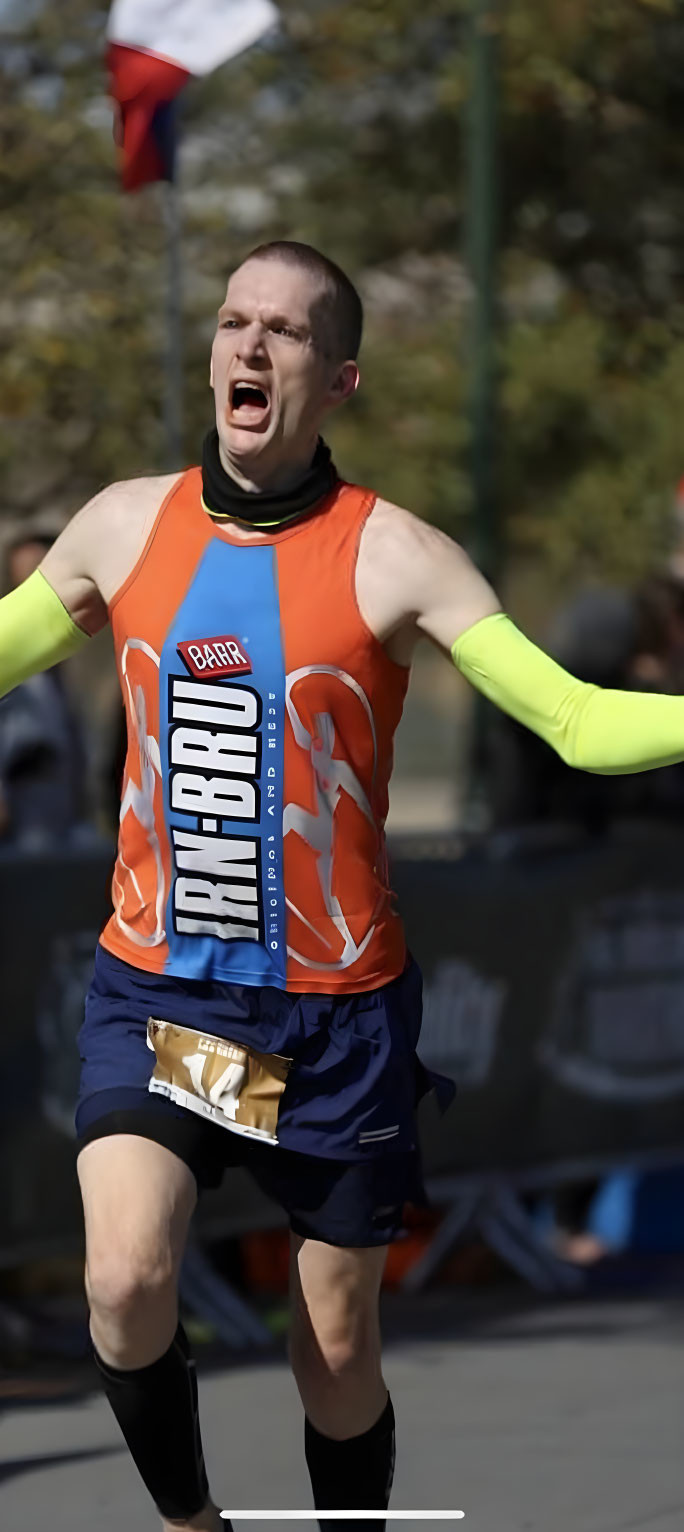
(250, 402)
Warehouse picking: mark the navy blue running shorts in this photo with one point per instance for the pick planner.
(347, 1158)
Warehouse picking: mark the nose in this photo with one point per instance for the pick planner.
(251, 344)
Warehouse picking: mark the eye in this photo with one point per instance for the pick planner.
(228, 324)
(283, 329)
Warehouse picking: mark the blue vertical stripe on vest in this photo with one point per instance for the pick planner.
(233, 594)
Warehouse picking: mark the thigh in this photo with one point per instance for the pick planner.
(138, 1199)
(335, 1292)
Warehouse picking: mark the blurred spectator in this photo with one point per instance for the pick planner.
(627, 640)
(660, 608)
(41, 750)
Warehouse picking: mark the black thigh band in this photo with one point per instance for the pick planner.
(187, 1137)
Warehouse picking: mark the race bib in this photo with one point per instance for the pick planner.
(228, 1083)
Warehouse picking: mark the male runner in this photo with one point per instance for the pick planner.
(253, 1001)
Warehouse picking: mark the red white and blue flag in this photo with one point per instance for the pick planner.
(154, 47)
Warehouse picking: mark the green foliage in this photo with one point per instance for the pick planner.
(347, 129)
(593, 346)
(81, 373)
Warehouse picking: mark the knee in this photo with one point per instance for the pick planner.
(334, 1343)
(122, 1285)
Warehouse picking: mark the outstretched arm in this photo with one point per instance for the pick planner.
(50, 615)
(602, 731)
(66, 600)
(36, 631)
(607, 732)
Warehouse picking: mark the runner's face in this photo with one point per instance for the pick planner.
(273, 380)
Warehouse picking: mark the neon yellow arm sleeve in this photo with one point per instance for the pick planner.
(36, 631)
(607, 732)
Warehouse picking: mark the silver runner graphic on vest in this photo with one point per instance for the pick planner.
(139, 801)
(331, 778)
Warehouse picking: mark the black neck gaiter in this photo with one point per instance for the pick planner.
(225, 499)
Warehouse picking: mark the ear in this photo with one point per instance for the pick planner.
(211, 370)
(345, 383)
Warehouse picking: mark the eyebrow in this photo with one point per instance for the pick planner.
(229, 311)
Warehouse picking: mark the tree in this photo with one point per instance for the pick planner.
(347, 130)
(593, 354)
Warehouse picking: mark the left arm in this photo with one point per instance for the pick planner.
(597, 730)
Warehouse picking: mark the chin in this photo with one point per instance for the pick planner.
(244, 441)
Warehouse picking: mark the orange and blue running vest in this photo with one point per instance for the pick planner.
(261, 713)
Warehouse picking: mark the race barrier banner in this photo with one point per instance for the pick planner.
(554, 995)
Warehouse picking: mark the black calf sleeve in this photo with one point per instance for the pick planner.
(156, 1408)
(353, 1475)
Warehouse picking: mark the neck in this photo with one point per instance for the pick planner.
(277, 480)
(274, 501)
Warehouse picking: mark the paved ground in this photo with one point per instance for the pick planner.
(529, 1417)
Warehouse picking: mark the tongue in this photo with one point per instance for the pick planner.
(249, 399)
(251, 414)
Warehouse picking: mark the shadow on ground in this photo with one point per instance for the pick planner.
(18, 1466)
(630, 1299)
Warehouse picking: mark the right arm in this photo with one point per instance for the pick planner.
(36, 631)
(64, 602)
(50, 615)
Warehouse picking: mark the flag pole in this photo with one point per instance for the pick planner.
(482, 231)
(173, 349)
(482, 236)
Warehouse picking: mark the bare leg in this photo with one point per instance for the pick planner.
(335, 1352)
(335, 1335)
(138, 1199)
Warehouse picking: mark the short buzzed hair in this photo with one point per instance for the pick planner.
(340, 307)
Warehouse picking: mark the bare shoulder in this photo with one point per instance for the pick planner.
(146, 492)
(412, 579)
(101, 544)
(130, 502)
(119, 523)
(407, 541)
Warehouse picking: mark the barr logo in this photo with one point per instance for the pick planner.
(214, 657)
